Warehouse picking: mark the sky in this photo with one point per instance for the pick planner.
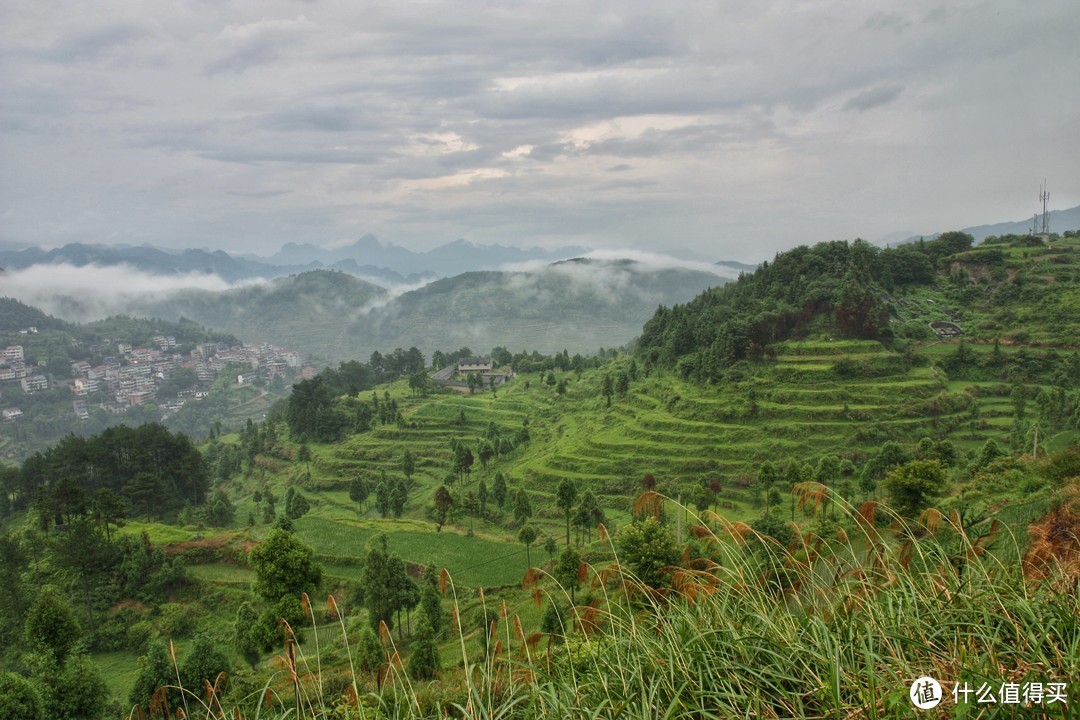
(725, 130)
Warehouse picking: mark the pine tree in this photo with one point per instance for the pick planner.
(369, 651)
(499, 490)
(431, 608)
(424, 662)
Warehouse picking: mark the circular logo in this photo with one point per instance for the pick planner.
(925, 693)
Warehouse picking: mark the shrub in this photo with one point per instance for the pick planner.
(18, 698)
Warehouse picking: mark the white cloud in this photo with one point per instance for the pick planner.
(91, 292)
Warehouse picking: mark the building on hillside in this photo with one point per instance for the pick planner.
(12, 414)
(12, 353)
(946, 329)
(34, 383)
(475, 364)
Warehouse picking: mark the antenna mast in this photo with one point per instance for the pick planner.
(1044, 196)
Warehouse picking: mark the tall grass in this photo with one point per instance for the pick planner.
(836, 624)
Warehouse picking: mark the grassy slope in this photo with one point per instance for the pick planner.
(664, 426)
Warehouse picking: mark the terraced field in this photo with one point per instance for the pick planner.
(817, 398)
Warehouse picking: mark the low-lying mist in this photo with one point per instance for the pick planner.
(93, 292)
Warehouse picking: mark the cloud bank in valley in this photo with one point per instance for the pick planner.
(82, 294)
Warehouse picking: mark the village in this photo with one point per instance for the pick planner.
(121, 376)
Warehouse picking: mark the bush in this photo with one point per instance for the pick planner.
(177, 620)
(18, 698)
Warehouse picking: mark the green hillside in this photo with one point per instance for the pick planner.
(580, 305)
(309, 311)
(791, 501)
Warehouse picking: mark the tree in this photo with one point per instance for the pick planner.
(424, 662)
(890, 455)
(204, 662)
(405, 590)
(380, 594)
(527, 535)
(220, 510)
(522, 506)
(607, 389)
(51, 624)
(648, 550)
(284, 567)
(552, 622)
(551, 547)
(369, 651)
(431, 607)
(108, 508)
(303, 454)
(987, 454)
(565, 497)
(382, 497)
(486, 451)
(359, 491)
(398, 497)
(244, 642)
(911, 486)
(471, 504)
(18, 698)
(155, 671)
(499, 490)
(482, 496)
(443, 502)
(408, 464)
(311, 411)
(418, 383)
(857, 309)
(568, 570)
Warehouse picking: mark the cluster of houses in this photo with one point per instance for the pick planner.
(13, 369)
(128, 376)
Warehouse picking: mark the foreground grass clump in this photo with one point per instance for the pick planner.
(823, 624)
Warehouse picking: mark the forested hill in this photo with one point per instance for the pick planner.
(16, 317)
(580, 305)
(1016, 289)
(309, 311)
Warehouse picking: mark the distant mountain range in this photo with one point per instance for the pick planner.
(1059, 220)
(368, 258)
(446, 260)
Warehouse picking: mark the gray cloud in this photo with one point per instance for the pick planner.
(735, 129)
(875, 97)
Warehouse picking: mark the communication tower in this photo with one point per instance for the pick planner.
(1044, 197)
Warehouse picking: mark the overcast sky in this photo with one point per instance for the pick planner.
(733, 129)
